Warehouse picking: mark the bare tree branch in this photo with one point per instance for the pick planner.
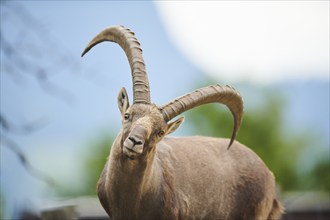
(29, 52)
(27, 128)
(23, 58)
(13, 146)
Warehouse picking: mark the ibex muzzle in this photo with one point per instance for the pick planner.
(134, 143)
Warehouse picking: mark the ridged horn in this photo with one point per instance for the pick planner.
(211, 94)
(128, 42)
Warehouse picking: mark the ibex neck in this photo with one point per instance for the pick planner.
(132, 184)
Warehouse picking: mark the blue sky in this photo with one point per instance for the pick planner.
(94, 81)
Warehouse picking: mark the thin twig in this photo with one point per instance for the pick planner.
(13, 146)
(27, 128)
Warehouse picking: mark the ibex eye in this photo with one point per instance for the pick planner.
(160, 133)
(126, 116)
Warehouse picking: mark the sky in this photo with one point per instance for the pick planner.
(259, 41)
(179, 46)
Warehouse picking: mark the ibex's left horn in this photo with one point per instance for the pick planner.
(220, 94)
(126, 39)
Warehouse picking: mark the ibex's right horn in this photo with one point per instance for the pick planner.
(220, 94)
(126, 39)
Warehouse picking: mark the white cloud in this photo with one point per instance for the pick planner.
(260, 41)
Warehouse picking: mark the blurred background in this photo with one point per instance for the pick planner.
(59, 112)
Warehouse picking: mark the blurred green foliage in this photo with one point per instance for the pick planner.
(319, 175)
(93, 160)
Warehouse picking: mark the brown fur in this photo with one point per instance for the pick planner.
(101, 192)
(182, 178)
(170, 206)
(277, 210)
(184, 187)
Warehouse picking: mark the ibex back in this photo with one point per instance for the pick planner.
(151, 176)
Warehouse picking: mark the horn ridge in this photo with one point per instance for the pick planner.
(226, 95)
(131, 46)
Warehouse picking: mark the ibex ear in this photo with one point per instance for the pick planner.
(123, 103)
(172, 126)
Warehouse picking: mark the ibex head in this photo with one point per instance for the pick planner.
(144, 123)
(143, 126)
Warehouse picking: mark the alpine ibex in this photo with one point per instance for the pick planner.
(151, 176)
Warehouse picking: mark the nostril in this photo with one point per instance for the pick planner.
(132, 139)
(135, 142)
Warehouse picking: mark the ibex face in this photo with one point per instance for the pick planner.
(143, 126)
